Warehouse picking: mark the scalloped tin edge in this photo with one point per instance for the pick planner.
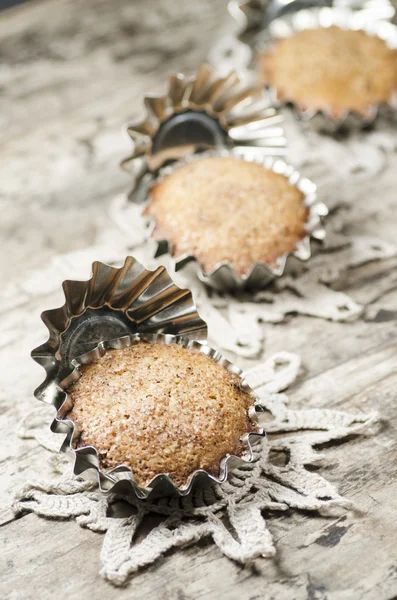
(121, 479)
(249, 14)
(115, 302)
(223, 277)
(323, 18)
(201, 112)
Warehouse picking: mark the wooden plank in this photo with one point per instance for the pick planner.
(71, 76)
(364, 472)
(333, 556)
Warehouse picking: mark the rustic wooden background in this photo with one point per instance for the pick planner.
(71, 73)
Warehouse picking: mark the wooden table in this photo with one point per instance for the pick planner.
(71, 74)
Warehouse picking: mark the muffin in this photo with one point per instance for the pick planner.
(159, 409)
(226, 209)
(331, 69)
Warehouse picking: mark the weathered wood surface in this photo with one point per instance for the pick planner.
(71, 74)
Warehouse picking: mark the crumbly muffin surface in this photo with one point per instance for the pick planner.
(228, 209)
(331, 69)
(159, 409)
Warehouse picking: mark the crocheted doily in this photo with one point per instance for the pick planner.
(280, 478)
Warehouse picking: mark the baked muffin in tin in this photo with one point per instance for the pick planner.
(330, 69)
(223, 208)
(237, 213)
(160, 409)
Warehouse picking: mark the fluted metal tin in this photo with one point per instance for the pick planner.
(345, 19)
(121, 479)
(199, 113)
(113, 309)
(223, 277)
(252, 15)
(263, 23)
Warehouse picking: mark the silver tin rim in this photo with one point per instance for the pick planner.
(114, 302)
(242, 115)
(326, 17)
(251, 14)
(121, 479)
(223, 276)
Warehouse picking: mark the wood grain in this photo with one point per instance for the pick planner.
(71, 74)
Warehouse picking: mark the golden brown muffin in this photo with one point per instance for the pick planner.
(331, 69)
(159, 409)
(228, 209)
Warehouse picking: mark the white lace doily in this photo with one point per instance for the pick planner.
(280, 478)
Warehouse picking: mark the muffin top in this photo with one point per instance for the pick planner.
(159, 409)
(331, 69)
(227, 209)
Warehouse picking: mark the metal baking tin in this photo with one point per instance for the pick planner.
(255, 15)
(223, 277)
(121, 478)
(200, 113)
(121, 304)
(367, 16)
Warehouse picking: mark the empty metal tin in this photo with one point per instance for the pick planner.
(200, 113)
(255, 15)
(223, 276)
(114, 309)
